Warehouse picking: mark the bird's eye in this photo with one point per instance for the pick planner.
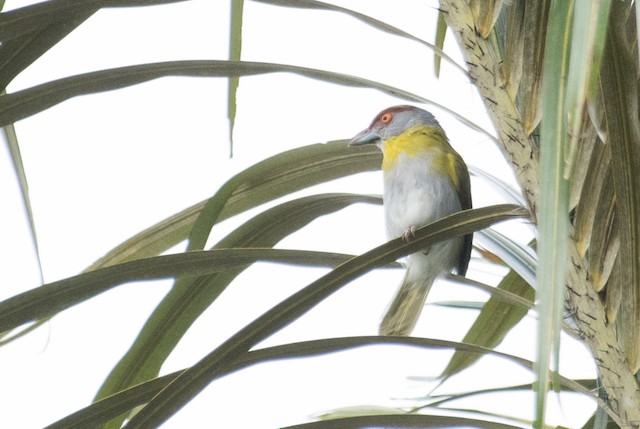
(386, 118)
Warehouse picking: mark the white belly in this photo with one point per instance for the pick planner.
(415, 196)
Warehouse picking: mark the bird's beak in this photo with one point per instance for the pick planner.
(367, 136)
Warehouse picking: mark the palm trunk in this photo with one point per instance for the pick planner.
(484, 63)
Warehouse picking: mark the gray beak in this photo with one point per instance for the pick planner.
(367, 136)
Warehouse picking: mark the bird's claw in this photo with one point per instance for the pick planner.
(409, 233)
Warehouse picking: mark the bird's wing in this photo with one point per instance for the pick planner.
(464, 194)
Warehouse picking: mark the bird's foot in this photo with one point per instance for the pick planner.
(409, 233)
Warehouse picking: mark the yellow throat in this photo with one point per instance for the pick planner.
(422, 139)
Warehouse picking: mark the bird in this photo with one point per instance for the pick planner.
(425, 179)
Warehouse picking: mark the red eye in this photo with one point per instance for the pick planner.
(386, 118)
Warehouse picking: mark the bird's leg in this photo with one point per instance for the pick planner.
(409, 233)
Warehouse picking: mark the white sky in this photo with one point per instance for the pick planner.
(89, 193)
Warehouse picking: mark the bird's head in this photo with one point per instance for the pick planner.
(392, 122)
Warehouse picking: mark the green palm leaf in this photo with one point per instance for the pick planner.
(272, 178)
(190, 297)
(189, 383)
